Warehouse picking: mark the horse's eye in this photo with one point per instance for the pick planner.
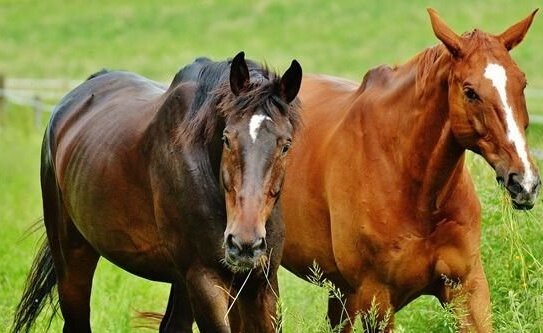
(226, 142)
(285, 148)
(470, 94)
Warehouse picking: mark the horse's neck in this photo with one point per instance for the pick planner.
(434, 158)
(163, 137)
(197, 163)
(436, 165)
(160, 134)
(408, 114)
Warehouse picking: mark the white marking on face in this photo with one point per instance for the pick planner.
(496, 74)
(255, 123)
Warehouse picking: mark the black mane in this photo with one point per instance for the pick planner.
(214, 99)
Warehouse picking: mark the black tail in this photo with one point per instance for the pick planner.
(38, 291)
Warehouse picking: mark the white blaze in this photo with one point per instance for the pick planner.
(255, 123)
(496, 74)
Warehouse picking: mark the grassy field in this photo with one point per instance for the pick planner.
(60, 39)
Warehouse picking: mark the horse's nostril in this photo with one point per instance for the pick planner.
(513, 184)
(260, 244)
(537, 187)
(232, 243)
(511, 178)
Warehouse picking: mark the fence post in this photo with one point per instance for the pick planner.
(38, 110)
(2, 98)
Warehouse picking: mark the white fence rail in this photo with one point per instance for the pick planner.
(43, 93)
(40, 95)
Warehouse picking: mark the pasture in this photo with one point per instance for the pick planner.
(57, 39)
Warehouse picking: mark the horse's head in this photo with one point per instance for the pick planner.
(256, 140)
(487, 108)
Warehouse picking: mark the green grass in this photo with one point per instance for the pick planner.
(72, 39)
(60, 39)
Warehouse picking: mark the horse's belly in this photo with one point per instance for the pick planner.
(149, 263)
(132, 244)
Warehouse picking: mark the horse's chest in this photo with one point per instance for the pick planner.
(410, 265)
(405, 263)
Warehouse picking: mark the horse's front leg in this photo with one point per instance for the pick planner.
(342, 312)
(470, 300)
(257, 305)
(178, 317)
(208, 294)
(375, 306)
(371, 301)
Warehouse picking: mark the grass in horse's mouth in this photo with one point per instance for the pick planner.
(518, 249)
(240, 267)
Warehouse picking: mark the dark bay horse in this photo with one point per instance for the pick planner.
(377, 191)
(175, 184)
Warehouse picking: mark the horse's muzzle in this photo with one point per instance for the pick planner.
(523, 194)
(243, 256)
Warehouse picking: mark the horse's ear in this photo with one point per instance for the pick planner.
(515, 33)
(290, 82)
(452, 41)
(239, 74)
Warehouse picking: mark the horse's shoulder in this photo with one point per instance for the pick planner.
(180, 95)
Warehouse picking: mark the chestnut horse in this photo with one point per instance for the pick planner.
(377, 191)
(173, 184)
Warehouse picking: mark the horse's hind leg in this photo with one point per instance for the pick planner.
(74, 260)
(178, 317)
(342, 312)
(75, 271)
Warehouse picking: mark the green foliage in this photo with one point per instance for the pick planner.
(316, 278)
(71, 39)
(345, 37)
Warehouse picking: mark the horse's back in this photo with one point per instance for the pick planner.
(98, 118)
(317, 89)
(103, 88)
(325, 100)
(103, 108)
